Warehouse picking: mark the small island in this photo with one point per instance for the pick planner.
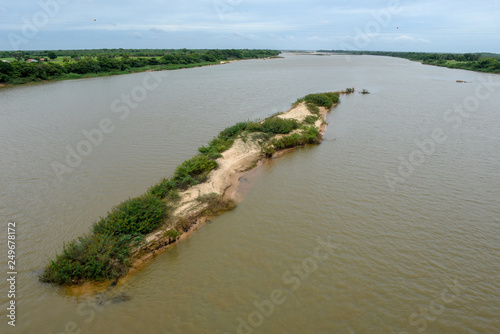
(200, 188)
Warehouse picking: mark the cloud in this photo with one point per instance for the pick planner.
(248, 27)
(453, 26)
(410, 39)
(136, 34)
(423, 40)
(404, 38)
(157, 30)
(318, 39)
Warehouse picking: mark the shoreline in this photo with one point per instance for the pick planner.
(234, 192)
(243, 165)
(225, 181)
(201, 188)
(144, 69)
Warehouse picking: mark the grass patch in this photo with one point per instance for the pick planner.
(215, 204)
(172, 234)
(321, 100)
(165, 189)
(216, 147)
(333, 96)
(139, 215)
(311, 119)
(233, 131)
(310, 135)
(274, 125)
(196, 169)
(193, 171)
(104, 254)
(89, 258)
(313, 109)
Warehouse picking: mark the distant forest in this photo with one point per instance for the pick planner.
(18, 67)
(482, 62)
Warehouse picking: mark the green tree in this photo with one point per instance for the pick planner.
(52, 55)
(18, 56)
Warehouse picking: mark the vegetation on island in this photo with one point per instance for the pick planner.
(481, 62)
(105, 252)
(19, 67)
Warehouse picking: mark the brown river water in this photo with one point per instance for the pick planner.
(391, 225)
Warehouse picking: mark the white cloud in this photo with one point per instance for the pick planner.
(423, 40)
(137, 35)
(157, 30)
(264, 23)
(405, 38)
(257, 26)
(318, 39)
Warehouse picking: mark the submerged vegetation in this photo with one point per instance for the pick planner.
(105, 253)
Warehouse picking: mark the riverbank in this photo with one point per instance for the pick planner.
(201, 188)
(75, 76)
(477, 62)
(148, 68)
(223, 185)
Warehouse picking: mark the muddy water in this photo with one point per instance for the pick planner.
(391, 225)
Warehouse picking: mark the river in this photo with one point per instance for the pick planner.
(391, 225)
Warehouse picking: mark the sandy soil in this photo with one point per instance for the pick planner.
(234, 165)
(240, 162)
(299, 113)
(233, 161)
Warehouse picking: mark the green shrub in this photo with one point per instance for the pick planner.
(173, 196)
(215, 204)
(90, 257)
(333, 96)
(292, 140)
(313, 109)
(105, 253)
(216, 147)
(299, 101)
(172, 234)
(311, 119)
(193, 171)
(233, 131)
(139, 215)
(311, 135)
(268, 150)
(274, 125)
(261, 137)
(162, 188)
(255, 127)
(321, 100)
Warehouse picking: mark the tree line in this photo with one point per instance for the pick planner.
(81, 62)
(487, 62)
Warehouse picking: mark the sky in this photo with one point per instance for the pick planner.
(391, 25)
